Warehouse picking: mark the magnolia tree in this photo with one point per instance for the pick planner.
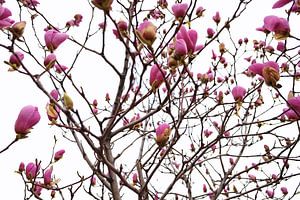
(185, 106)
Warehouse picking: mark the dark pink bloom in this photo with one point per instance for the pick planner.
(252, 177)
(54, 94)
(15, 60)
(162, 134)
(76, 21)
(93, 180)
(281, 3)
(210, 32)
(190, 37)
(257, 68)
(179, 10)
(270, 193)
(122, 25)
(37, 190)
(5, 22)
(217, 17)
(28, 117)
(163, 3)
(280, 46)
(146, 32)
(59, 154)
(157, 75)
(284, 190)
(294, 104)
(199, 11)
(290, 114)
(48, 176)
(204, 188)
(30, 3)
(280, 27)
(54, 38)
(50, 60)
(135, 179)
(238, 93)
(31, 170)
(180, 48)
(21, 167)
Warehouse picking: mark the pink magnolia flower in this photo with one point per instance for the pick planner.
(280, 27)
(54, 94)
(135, 179)
(54, 38)
(48, 176)
(60, 68)
(199, 11)
(28, 117)
(179, 10)
(180, 48)
(146, 32)
(270, 193)
(280, 46)
(217, 17)
(104, 5)
(93, 180)
(157, 75)
(190, 37)
(30, 3)
(290, 114)
(37, 189)
(252, 177)
(162, 134)
(31, 170)
(294, 104)
(281, 3)
(238, 93)
(21, 167)
(49, 61)
(59, 154)
(5, 22)
(210, 32)
(76, 21)
(15, 60)
(284, 190)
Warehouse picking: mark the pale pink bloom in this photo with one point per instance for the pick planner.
(60, 68)
(54, 38)
(48, 176)
(31, 170)
(59, 154)
(5, 22)
(180, 48)
(146, 32)
(190, 37)
(179, 10)
(217, 17)
(163, 3)
(50, 60)
(162, 134)
(28, 117)
(290, 114)
(270, 193)
(284, 190)
(157, 75)
(102, 25)
(252, 177)
(15, 59)
(238, 93)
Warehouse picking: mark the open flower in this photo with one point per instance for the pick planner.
(28, 117)
(146, 33)
(268, 70)
(190, 38)
(5, 22)
(162, 134)
(180, 48)
(280, 27)
(179, 10)
(54, 38)
(156, 76)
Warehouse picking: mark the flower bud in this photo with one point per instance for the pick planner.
(18, 29)
(271, 76)
(162, 134)
(59, 154)
(68, 102)
(28, 117)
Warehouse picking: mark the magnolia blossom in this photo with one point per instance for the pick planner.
(281, 3)
(238, 93)
(18, 29)
(162, 134)
(31, 170)
(217, 17)
(157, 75)
(180, 48)
(49, 61)
(59, 154)
(30, 3)
(5, 22)
(48, 176)
(28, 117)
(15, 60)
(280, 27)
(146, 32)
(190, 38)
(199, 11)
(294, 104)
(76, 21)
(179, 10)
(284, 190)
(268, 70)
(54, 38)
(270, 193)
